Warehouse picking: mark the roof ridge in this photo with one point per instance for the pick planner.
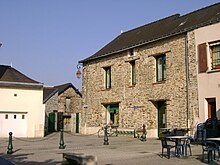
(177, 15)
(8, 73)
(63, 87)
(24, 75)
(173, 25)
(200, 9)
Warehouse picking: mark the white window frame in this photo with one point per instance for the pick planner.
(211, 45)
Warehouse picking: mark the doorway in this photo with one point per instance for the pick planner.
(113, 114)
(162, 118)
(77, 122)
(211, 107)
(51, 122)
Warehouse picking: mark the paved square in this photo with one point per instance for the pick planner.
(122, 150)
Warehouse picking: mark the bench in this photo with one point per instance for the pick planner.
(130, 132)
(80, 159)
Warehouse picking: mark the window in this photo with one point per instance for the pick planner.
(161, 68)
(112, 114)
(67, 104)
(23, 116)
(131, 52)
(6, 116)
(133, 73)
(107, 77)
(208, 60)
(15, 116)
(215, 55)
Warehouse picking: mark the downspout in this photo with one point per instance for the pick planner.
(86, 99)
(187, 81)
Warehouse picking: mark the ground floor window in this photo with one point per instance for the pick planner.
(112, 114)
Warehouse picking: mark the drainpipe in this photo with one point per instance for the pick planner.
(187, 80)
(86, 98)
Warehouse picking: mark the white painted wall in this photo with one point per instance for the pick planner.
(208, 83)
(23, 101)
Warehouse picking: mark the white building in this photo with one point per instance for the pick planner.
(22, 111)
(208, 58)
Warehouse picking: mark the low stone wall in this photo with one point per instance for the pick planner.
(79, 159)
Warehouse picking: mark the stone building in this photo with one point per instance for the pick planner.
(62, 108)
(207, 41)
(21, 108)
(147, 75)
(50, 100)
(69, 105)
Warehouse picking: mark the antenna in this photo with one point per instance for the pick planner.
(121, 31)
(11, 64)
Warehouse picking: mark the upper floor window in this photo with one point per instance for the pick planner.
(208, 56)
(215, 55)
(161, 68)
(133, 73)
(107, 77)
(67, 104)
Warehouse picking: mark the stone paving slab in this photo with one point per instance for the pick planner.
(122, 150)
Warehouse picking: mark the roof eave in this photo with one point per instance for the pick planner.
(21, 84)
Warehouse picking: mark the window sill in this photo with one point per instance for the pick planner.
(131, 58)
(213, 71)
(106, 89)
(132, 86)
(159, 82)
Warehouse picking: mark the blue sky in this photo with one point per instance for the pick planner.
(45, 39)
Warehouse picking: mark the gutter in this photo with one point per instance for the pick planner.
(8, 83)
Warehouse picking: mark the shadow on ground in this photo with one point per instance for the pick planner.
(21, 159)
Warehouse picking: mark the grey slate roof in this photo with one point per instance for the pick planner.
(48, 92)
(160, 29)
(63, 87)
(9, 74)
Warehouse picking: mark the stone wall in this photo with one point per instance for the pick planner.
(75, 107)
(50, 106)
(137, 103)
(193, 83)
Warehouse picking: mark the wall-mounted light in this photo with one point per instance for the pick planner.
(78, 72)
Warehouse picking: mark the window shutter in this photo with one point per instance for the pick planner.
(202, 57)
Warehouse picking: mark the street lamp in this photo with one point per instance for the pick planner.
(78, 72)
(85, 89)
